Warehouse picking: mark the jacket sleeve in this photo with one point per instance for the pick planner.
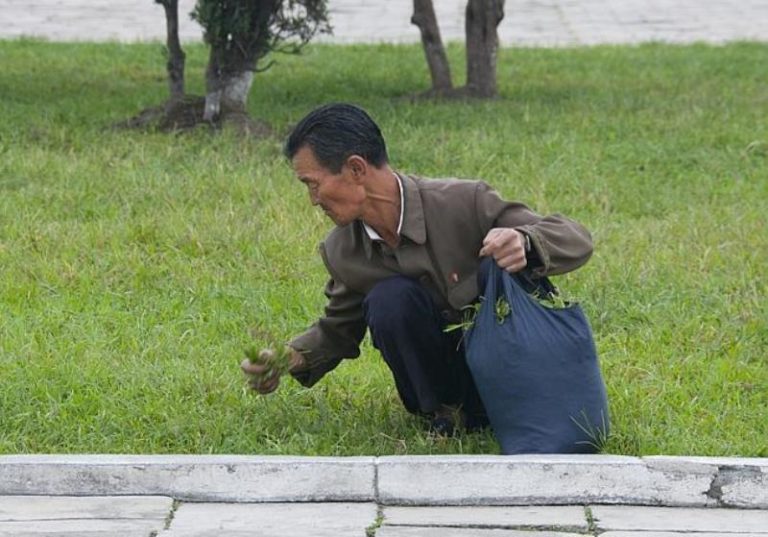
(560, 244)
(335, 336)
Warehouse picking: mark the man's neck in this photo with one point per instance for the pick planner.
(382, 210)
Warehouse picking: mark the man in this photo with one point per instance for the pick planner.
(403, 259)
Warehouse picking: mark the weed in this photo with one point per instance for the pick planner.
(598, 435)
(468, 316)
(553, 301)
(502, 309)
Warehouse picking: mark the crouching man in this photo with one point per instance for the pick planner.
(403, 259)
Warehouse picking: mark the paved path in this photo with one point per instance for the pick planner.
(439, 496)
(528, 22)
(133, 516)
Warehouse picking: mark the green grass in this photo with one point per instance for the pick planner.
(133, 265)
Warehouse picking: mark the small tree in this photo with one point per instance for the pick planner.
(240, 34)
(482, 18)
(176, 56)
(439, 68)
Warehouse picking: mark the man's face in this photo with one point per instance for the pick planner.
(340, 195)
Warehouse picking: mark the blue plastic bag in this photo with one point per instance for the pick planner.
(536, 370)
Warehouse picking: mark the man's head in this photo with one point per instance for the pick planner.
(335, 151)
(335, 132)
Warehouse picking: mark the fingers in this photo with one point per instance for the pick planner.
(264, 385)
(262, 378)
(264, 368)
(507, 248)
(512, 263)
(492, 242)
(253, 368)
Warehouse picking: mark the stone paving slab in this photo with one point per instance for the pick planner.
(683, 520)
(232, 533)
(20, 508)
(80, 533)
(78, 528)
(572, 517)
(402, 531)
(526, 23)
(272, 520)
(675, 534)
(105, 516)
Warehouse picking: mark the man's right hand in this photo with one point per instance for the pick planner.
(264, 377)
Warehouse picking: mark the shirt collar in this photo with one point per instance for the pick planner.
(372, 233)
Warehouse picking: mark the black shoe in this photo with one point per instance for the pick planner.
(442, 426)
(447, 420)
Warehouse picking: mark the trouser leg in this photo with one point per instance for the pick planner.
(427, 364)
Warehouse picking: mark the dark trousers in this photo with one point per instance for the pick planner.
(427, 364)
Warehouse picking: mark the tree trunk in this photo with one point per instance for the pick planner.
(233, 61)
(226, 89)
(213, 85)
(439, 68)
(234, 93)
(176, 56)
(482, 20)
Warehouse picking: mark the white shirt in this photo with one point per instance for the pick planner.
(372, 234)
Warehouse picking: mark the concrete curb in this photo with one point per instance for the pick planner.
(420, 480)
(227, 478)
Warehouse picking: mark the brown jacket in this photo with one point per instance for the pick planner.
(444, 224)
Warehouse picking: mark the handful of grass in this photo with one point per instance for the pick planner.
(274, 354)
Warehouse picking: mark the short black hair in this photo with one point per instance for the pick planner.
(336, 131)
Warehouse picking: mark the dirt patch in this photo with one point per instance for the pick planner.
(187, 114)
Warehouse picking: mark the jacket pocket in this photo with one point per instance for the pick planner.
(463, 292)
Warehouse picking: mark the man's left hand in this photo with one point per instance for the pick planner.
(507, 246)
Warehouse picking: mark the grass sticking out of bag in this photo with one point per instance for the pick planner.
(504, 310)
(554, 301)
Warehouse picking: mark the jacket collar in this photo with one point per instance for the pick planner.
(414, 227)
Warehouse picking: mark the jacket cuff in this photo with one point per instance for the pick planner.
(316, 363)
(539, 261)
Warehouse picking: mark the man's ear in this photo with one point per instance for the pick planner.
(357, 165)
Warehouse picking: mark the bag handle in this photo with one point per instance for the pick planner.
(540, 286)
(498, 278)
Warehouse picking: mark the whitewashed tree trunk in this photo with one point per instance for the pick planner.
(234, 94)
(482, 20)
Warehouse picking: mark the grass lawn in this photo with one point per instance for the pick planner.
(132, 265)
